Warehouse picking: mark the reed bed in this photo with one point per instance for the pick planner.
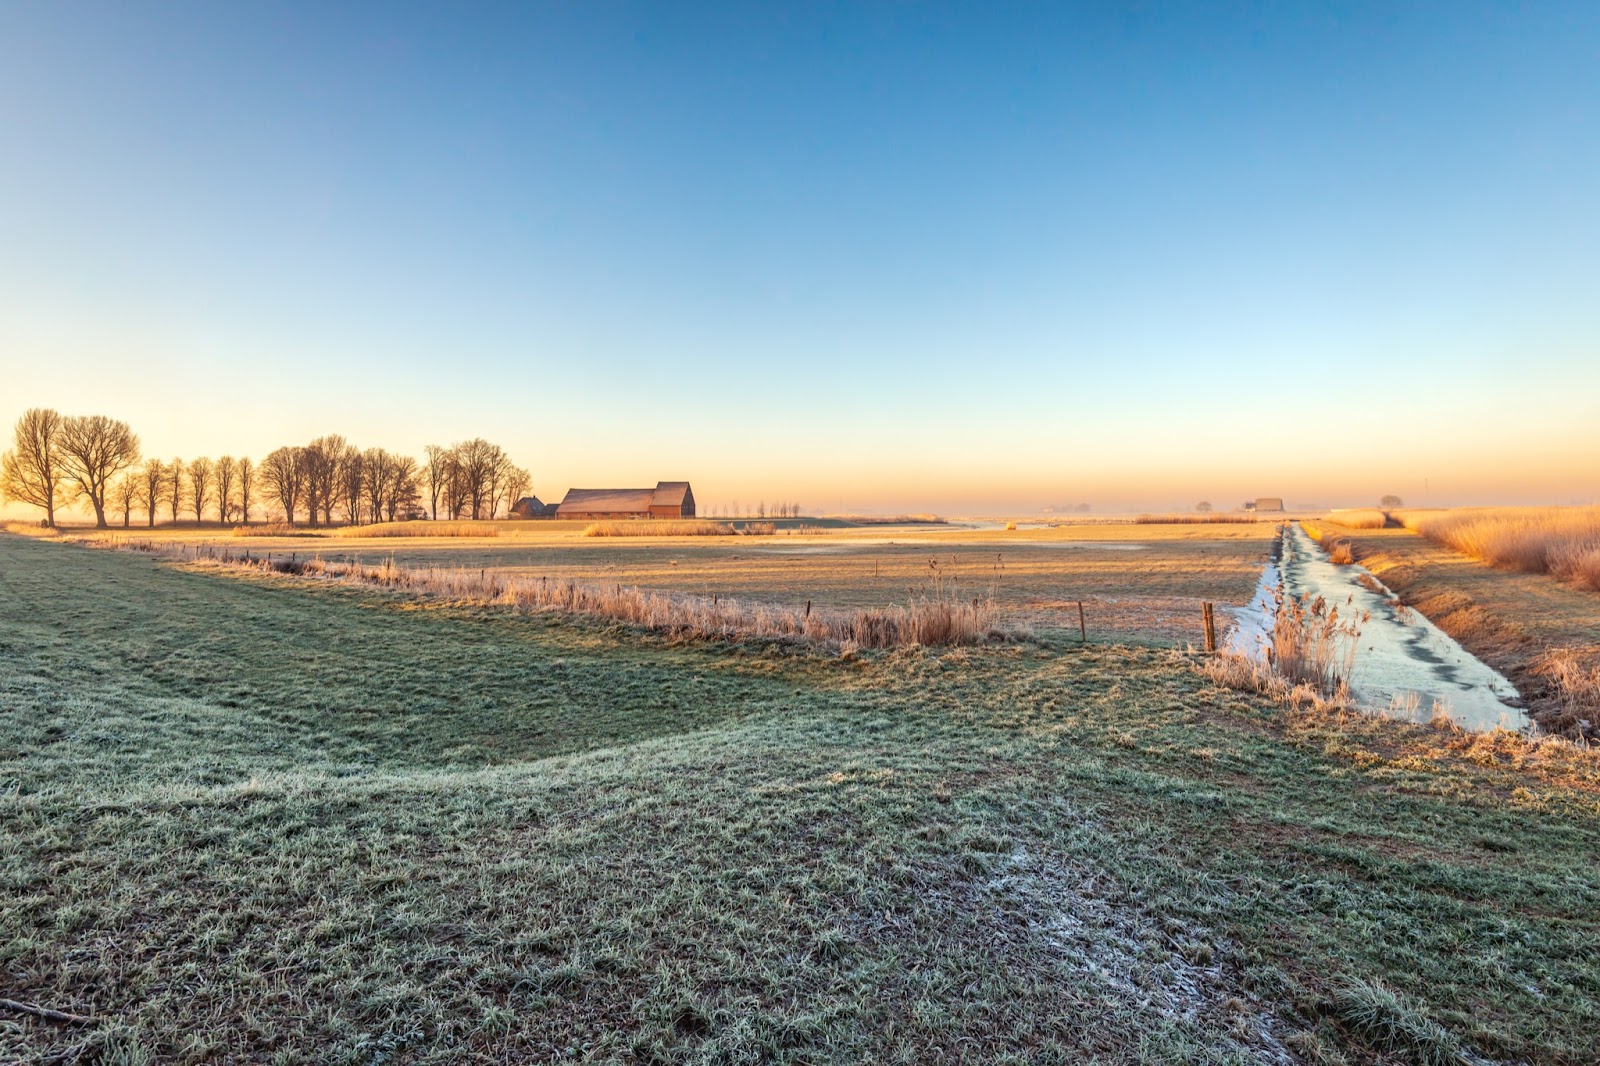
(419, 529)
(661, 529)
(892, 520)
(1195, 519)
(936, 615)
(272, 529)
(1561, 541)
(1359, 518)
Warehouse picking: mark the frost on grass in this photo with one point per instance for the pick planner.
(1144, 971)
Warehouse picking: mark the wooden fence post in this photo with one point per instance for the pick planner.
(1211, 626)
(1083, 630)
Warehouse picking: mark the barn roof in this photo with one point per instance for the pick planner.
(608, 499)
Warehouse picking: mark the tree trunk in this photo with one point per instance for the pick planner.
(99, 512)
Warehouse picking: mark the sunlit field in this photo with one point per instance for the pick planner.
(255, 817)
(1142, 583)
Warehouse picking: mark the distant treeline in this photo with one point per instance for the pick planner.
(57, 460)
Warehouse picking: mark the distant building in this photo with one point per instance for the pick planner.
(669, 499)
(532, 507)
(1268, 503)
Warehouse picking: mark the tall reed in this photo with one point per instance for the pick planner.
(1561, 541)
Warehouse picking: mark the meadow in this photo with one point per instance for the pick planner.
(1140, 583)
(255, 817)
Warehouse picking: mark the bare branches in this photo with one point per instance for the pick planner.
(32, 471)
(95, 449)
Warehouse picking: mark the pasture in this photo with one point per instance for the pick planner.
(1139, 583)
(262, 818)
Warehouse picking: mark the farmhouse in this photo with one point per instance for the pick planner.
(532, 507)
(1269, 503)
(669, 499)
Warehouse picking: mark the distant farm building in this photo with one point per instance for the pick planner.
(532, 507)
(1269, 503)
(669, 499)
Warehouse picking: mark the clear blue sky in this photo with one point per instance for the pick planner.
(959, 257)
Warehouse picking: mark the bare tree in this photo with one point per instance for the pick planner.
(1391, 501)
(227, 484)
(1204, 507)
(517, 482)
(352, 483)
(322, 458)
(31, 471)
(480, 463)
(155, 476)
(175, 486)
(247, 481)
(282, 476)
(201, 472)
(401, 487)
(437, 464)
(456, 491)
(123, 493)
(94, 450)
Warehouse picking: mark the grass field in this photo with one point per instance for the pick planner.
(264, 819)
(1140, 582)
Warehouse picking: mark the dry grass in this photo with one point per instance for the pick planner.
(1312, 645)
(1340, 553)
(1575, 682)
(1561, 541)
(420, 529)
(663, 529)
(1359, 518)
(1193, 519)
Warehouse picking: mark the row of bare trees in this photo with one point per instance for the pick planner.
(60, 460)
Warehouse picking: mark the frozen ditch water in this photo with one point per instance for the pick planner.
(1403, 663)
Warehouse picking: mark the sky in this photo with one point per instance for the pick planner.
(871, 258)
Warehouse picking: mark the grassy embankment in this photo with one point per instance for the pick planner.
(258, 818)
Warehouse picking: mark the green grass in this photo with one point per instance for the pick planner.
(272, 820)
